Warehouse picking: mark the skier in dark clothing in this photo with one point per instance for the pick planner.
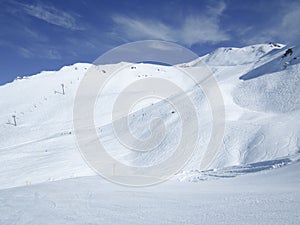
(288, 52)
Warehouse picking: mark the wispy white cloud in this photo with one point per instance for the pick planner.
(202, 30)
(161, 46)
(25, 53)
(284, 28)
(21, 51)
(193, 29)
(53, 54)
(216, 9)
(137, 28)
(50, 14)
(29, 53)
(289, 25)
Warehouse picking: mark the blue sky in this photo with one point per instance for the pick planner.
(41, 35)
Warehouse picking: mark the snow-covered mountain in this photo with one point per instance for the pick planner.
(261, 95)
(260, 88)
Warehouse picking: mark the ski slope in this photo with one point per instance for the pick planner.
(268, 197)
(262, 116)
(40, 160)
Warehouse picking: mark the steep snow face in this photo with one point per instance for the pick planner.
(276, 92)
(261, 93)
(266, 105)
(262, 116)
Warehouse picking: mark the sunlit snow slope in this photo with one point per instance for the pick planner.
(261, 95)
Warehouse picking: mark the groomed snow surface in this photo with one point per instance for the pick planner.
(254, 178)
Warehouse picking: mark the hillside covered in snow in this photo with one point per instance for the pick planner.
(261, 92)
(261, 99)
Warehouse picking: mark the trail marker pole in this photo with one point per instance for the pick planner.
(15, 121)
(63, 89)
